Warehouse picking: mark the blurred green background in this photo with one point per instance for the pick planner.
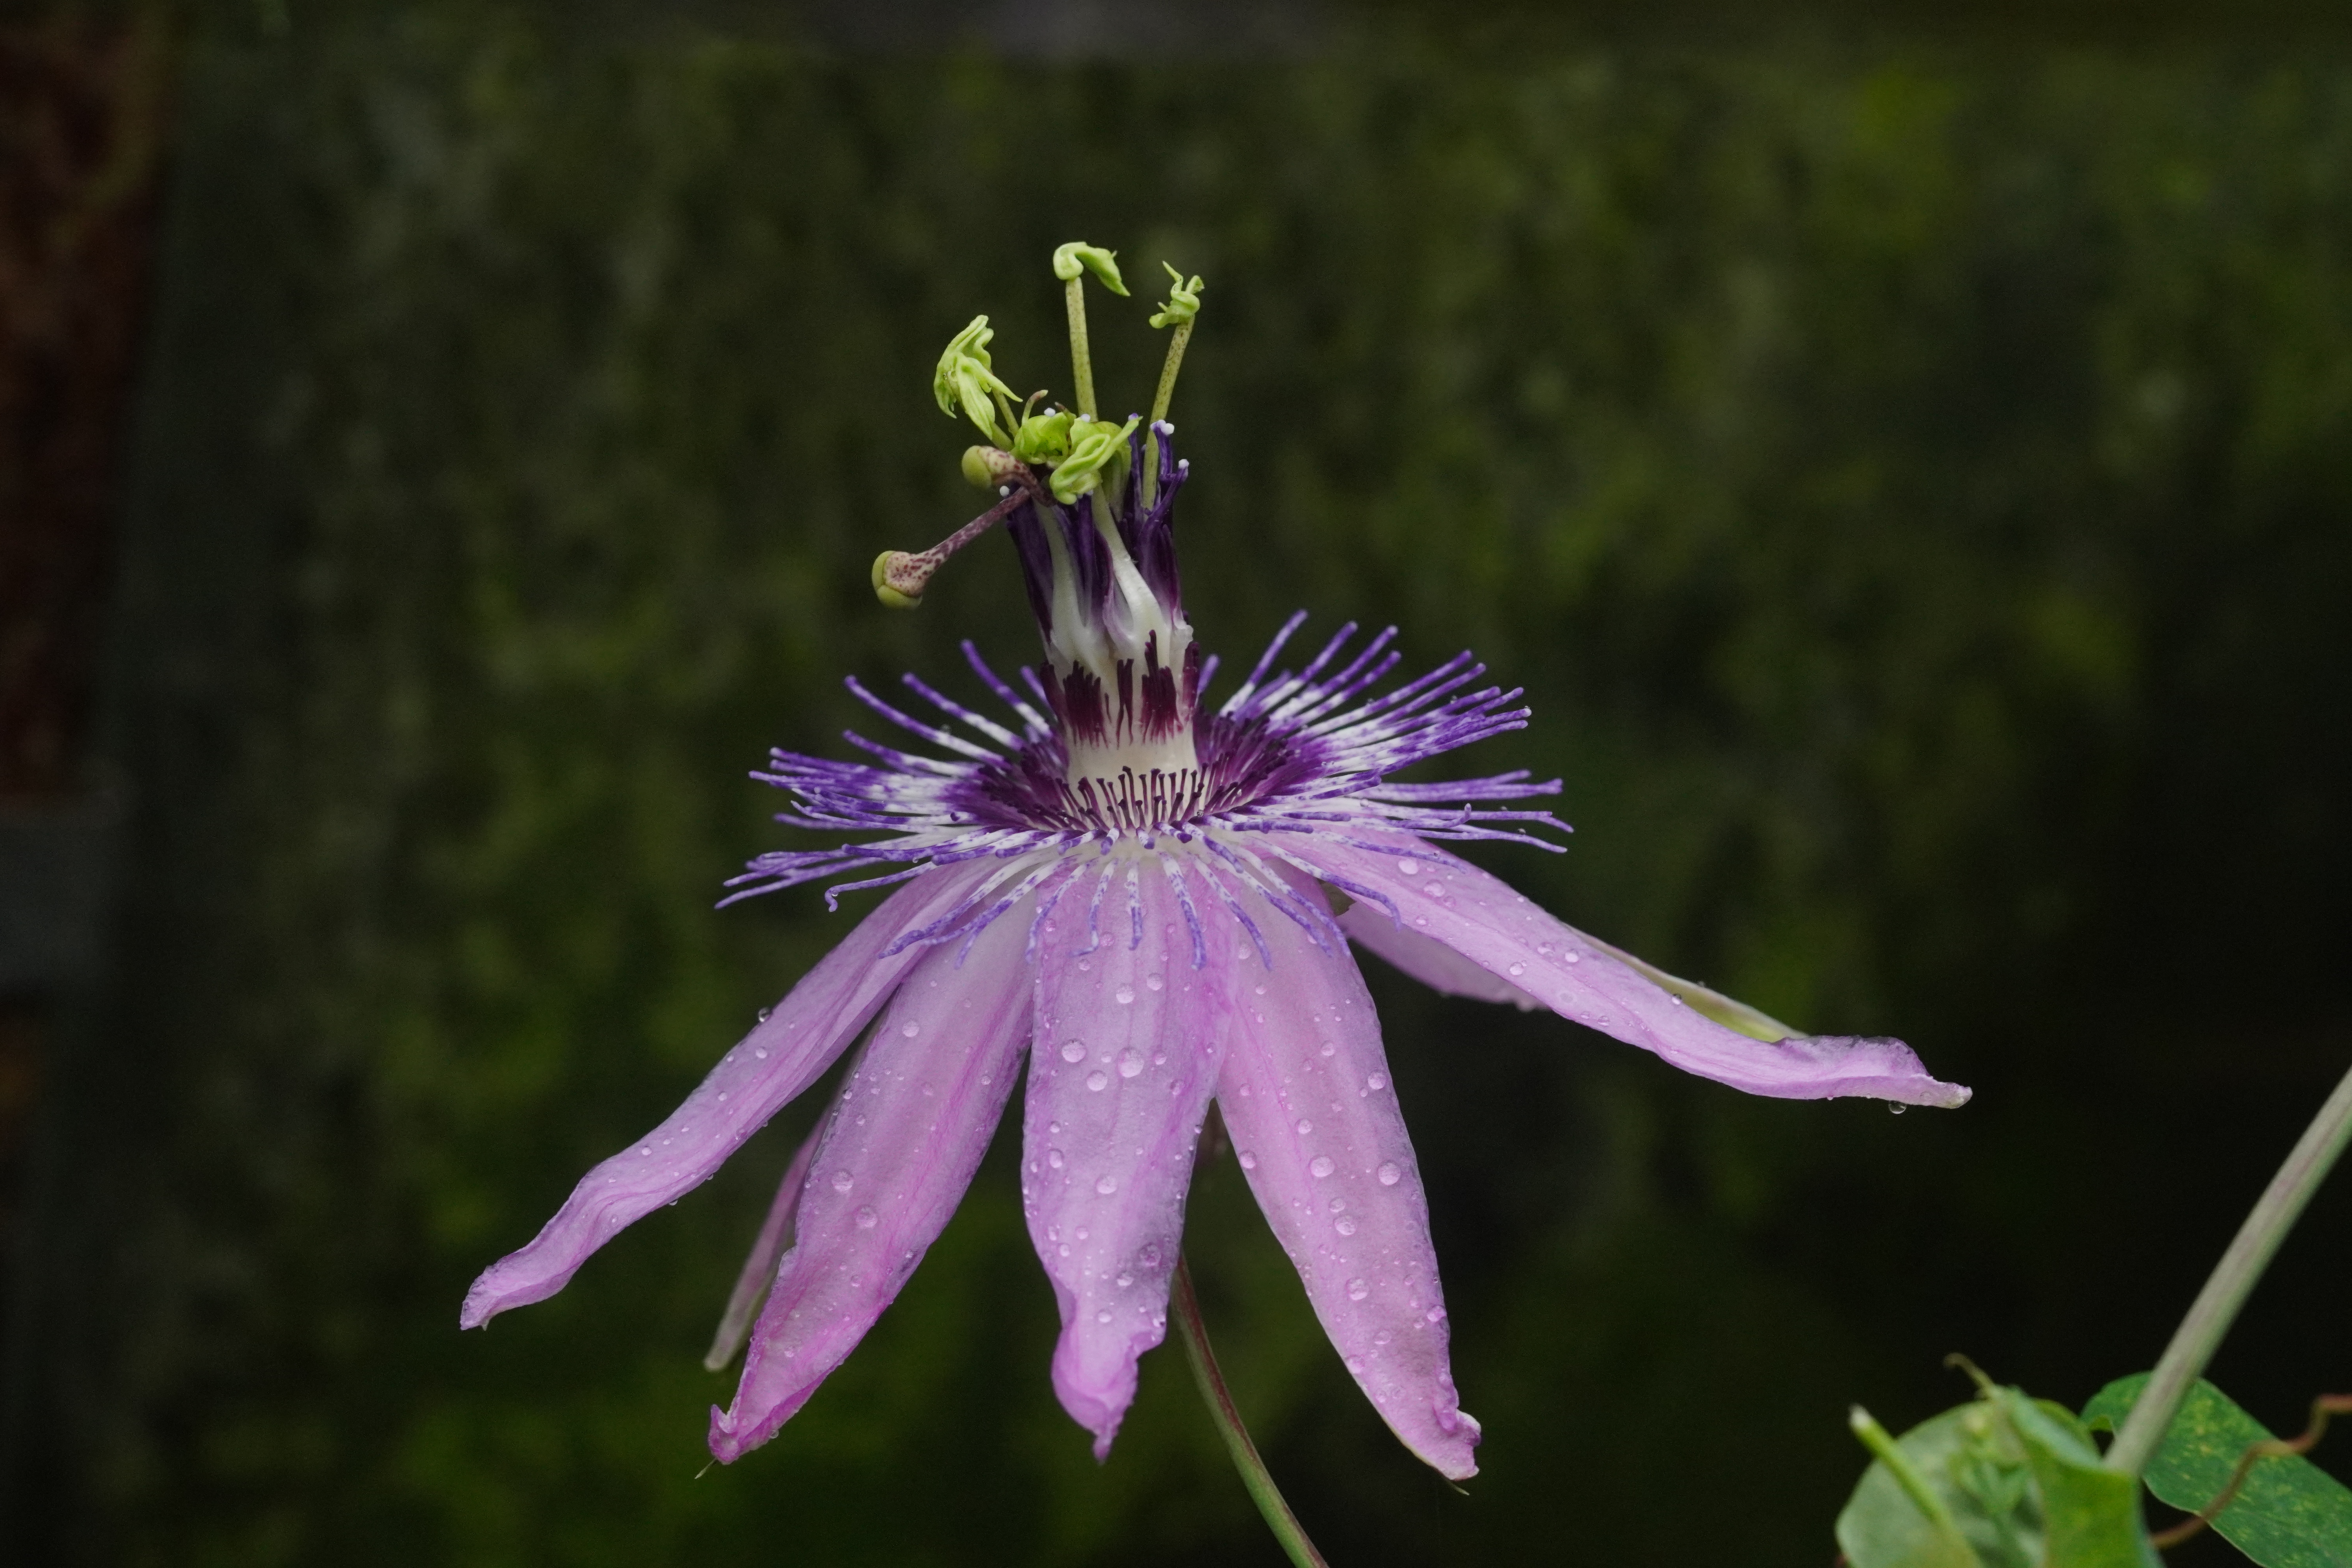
(1908, 468)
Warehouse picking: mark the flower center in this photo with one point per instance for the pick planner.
(1088, 505)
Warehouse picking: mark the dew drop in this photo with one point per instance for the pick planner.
(1086, 964)
(1894, 1110)
(1383, 1337)
(1103, 1316)
(1098, 1080)
(1126, 994)
(1321, 1165)
(1573, 957)
(1260, 988)
(1378, 1082)
(1329, 1049)
(1249, 1161)
(1064, 1249)
(1389, 1174)
(1338, 1206)
(1055, 1127)
(1355, 1363)
(1676, 1000)
(1409, 868)
(1153, 982)
(1080, 1233)
(761, 1052)
(1130, 1062)
(1358, 1289)
(1437, 1314)
(1305, 1126)
(867, 1218)
(1149, 1256)
(1345, 1224)
(910, 1030)
(1125, 1280)
(1518, 969)
(843, 1180)
(1106, 1186)
(1543, 949)
(1074, 1051)
(1054, 1158)
(1421, 920)
(766, 1013)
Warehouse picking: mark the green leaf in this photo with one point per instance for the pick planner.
(2290, 1513)
(2090, 1513)
(2004, 1481)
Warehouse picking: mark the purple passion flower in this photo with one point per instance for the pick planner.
(1149, 903)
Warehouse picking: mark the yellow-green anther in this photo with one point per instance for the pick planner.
(1104, 264)
(966, 381)
(1095, 443)
(896, 563)
(989, 466)
(1043, 439)
(1183, 299)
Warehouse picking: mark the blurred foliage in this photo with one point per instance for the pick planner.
(1911, 483)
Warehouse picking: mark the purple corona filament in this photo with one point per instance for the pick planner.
(1150, 908)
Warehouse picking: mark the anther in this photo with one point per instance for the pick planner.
(900, 576)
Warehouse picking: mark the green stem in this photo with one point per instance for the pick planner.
(2232, 1281)
(1082, 364)
(1160, 400)
(1185, 1308)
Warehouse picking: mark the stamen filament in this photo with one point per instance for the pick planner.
(1160, 400)
(900, 576)
(1082, 364)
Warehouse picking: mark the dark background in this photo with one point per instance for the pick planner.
(1907, 460)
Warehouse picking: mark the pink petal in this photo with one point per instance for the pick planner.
(1428, 960)
(760, 1268)
(1125, 1061)
(906, 1133)
(1306, 1096)
(783, 1056)
(1483, 920)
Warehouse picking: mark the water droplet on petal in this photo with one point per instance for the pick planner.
(1389, 1174)
(843, 1180)
(1383, 1337)
(1329, 1049)
(1518, 969)
(1106, 1186)
(1149, 1256)
(1896, 1110)
(1260, 989)
(1054, 1158)
(1074, 1051)
(1103, 1316)
(910, 1030)
(1249, 1161)
(1125, 1280)
(1130, 1062)
(1543, 949)
(766, 1013)
(1126, 994)
(1437, 1314)
(1378, 1082)
(762, 1052)
(1573, 957)
(1321, 1165)
(1086, 964)
(1305, 1126)
(866, 1218)
(1338, 1205)
(1358, 1289)
(1355, 1363)
(1153, 982)
(1676, 1000)
(1098, 1080)
(1345, 1224)
(1409, 868)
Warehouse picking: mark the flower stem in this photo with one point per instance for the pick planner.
(1185, 1307)
(1082, 363)
(2216, 1307)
